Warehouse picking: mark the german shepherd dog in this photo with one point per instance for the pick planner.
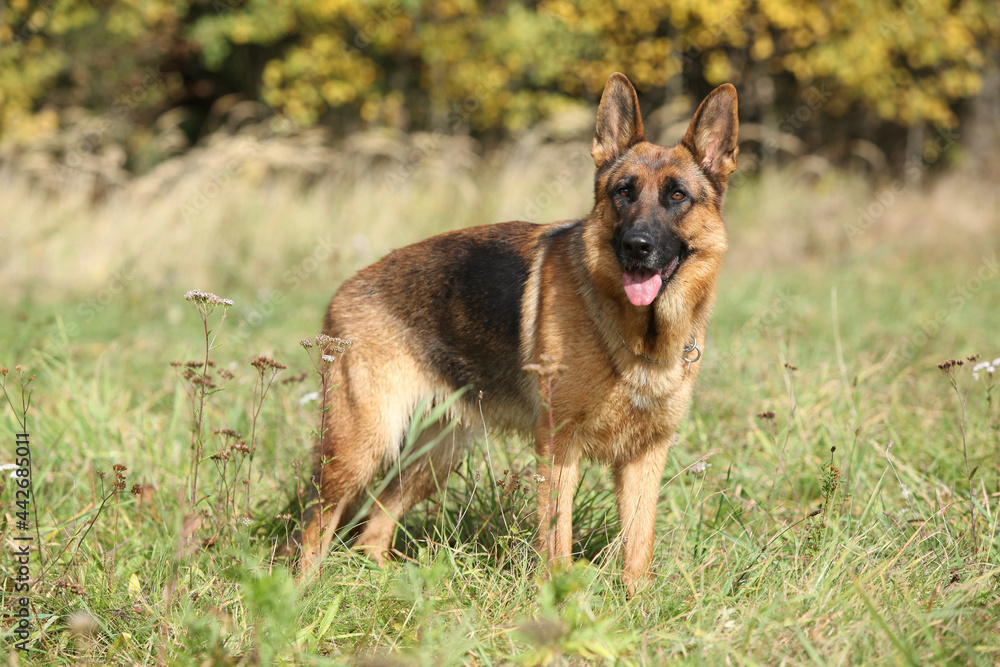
(620, 299)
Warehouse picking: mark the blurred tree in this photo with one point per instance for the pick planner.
(495, 65)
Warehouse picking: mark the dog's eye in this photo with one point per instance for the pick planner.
(625, 191)
(678, 195)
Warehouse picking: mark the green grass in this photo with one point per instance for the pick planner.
(745, 571)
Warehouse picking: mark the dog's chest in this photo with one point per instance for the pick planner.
(641, 409)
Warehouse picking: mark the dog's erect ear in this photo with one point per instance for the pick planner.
(712, 135)
(619, 124)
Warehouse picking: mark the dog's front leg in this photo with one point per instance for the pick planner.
(558, 474)
(637, 486)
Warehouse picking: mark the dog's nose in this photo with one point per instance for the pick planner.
(637, 244)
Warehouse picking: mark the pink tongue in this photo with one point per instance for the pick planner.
(641, 286)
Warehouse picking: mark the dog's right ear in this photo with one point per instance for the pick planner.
(619, 124)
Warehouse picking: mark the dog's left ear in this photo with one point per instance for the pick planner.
(712, 135)
(619, 124)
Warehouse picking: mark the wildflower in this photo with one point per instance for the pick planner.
(948, 365)
(241, 447)
(548, 367)
(306, 343)
(197, 379)
(136, 490)
(766, 415)
(539, 478)
(191, 364)
(331, 344)
(329, 358)
(988, 367)
(207, 298)
(262, 363)
(698, 468)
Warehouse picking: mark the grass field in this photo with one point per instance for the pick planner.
(817, 509)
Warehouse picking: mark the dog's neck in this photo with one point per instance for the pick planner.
(658, 333)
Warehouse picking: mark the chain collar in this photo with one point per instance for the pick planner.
(685, 355)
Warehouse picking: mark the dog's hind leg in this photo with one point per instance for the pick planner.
(362, 425)
(426, 473)
(342, 471)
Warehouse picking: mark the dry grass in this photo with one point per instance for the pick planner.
(248, 205)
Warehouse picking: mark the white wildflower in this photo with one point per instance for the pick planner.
(207, 298)
(988, 367)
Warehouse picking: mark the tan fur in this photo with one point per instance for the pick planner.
(422, 319)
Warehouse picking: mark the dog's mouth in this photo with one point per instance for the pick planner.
(642, 285)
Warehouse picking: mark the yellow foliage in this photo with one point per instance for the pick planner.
(506, 65)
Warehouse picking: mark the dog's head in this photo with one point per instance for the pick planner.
(660, 208)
